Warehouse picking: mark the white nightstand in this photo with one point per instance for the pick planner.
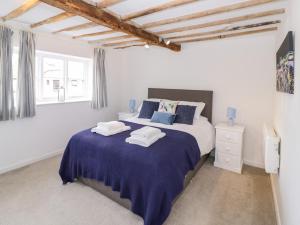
(229, 147)
(126, 115)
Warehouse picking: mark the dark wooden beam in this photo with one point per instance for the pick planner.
(99, 16)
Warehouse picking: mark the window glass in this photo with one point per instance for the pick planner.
(76, 75)
(52, 77)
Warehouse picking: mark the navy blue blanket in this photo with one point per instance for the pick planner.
(150, 177)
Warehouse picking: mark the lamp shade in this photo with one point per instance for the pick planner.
(231, 113)
(132, 103)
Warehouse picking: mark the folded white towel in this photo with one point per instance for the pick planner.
(104, 132)
(142, 141)
(110, 126)
(146, 132)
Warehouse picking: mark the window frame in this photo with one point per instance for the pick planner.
(87, 62)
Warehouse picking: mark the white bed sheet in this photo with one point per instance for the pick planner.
(201, 129)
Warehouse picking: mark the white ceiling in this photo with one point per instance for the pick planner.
(44, 11)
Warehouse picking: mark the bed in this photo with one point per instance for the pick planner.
(124, 172)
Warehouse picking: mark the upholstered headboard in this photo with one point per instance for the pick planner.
(185, 95)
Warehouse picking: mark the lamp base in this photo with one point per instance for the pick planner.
(230, 122)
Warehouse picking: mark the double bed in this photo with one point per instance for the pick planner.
(146, 181)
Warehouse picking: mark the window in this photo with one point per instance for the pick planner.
(61, 78)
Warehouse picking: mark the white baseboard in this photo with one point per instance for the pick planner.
(276, 203)
(30, 161)
(254, 164)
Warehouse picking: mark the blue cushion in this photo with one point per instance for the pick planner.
(163, 117)
(185, 114)
(148, 109)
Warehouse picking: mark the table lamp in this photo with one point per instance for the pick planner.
(132, 103)
(231, 115)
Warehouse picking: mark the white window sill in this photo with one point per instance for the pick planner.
(65, 102)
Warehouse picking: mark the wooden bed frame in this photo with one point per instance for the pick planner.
(171, 94)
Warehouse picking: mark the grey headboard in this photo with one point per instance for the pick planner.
(186, 95)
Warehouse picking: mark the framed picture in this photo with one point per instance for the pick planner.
(285, 61)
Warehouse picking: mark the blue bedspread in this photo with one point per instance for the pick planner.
(150, 177)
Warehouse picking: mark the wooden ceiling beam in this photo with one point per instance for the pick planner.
(229, 35)
(129, 46)
(99, 16)
(214, 11)
(212, 37)
(102, 4)
(29, 4)
(111, 39)
(223, 30)
(123, 43)
(95, 34)
(77, 27)
(199, 26)
(199, 34)
(107, 3)
(154, 9)
(53, 19)
(209, 12)
(224, 21)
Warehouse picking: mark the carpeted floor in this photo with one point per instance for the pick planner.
(34, 195)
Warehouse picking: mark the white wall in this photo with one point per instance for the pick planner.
(287, 123)
(240, 71)
(27, 140)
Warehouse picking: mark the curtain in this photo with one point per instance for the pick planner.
(99, 99)
(7, 109)
(26, 75)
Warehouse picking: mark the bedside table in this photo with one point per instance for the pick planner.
(126, 115)
(229, 147)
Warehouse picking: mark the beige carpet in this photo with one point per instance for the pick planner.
(34, 195)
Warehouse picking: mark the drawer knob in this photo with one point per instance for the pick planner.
(227, 149)
(227, 160)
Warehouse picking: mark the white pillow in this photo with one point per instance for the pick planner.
(199, 107)
(150, 100)
(167, 106)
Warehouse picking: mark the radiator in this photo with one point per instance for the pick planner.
(271, 147)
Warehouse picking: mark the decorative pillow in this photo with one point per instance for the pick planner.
(148, 109)
(185, 114)
(167, 106)
(163, 117)
(200, 106)
(149, 100)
